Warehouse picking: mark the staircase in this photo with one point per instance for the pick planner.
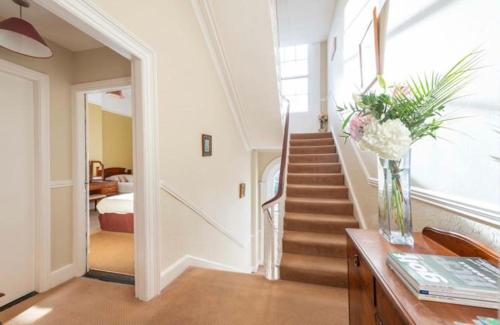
(317, 210)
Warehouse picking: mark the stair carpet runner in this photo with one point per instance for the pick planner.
(317, 211)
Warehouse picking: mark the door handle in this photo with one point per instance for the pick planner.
(356, 260)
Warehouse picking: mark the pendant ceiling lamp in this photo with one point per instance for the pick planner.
(18, 35)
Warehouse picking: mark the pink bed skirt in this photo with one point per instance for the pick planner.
(117, 222)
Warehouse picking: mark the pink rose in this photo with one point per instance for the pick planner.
(357, 124)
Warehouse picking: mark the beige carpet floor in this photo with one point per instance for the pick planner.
(112, 252)
(198, 296)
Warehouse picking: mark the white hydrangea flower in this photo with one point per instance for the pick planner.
(390, 140)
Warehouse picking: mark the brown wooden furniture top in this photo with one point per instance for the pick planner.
(102, 184)
(374, 249)
(111, 171)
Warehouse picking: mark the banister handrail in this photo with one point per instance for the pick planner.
(284, 151)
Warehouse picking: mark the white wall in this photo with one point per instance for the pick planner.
(192, 101)
(423, 36)
(308, 121)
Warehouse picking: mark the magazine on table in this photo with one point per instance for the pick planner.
(461, 280)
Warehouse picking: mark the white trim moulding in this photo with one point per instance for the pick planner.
(473, 210)
(89, 18)
(61, 184)
(208, 27)
(62, 275)
(178, 267)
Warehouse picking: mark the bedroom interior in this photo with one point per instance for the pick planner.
(111, 183)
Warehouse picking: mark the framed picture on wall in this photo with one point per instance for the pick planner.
(369, 54)
(206, 145)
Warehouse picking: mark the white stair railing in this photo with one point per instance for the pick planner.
(274, 212)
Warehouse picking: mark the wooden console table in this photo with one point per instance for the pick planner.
(104, 187)
(377, 295)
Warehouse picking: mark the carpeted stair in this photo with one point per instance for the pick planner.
(317, 211)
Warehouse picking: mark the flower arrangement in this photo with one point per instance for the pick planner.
(390, 121)
(323, 122)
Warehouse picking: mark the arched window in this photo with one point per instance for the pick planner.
(270, 180)
(276, 181)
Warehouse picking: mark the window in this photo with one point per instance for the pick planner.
(294, 67)
(276, 182)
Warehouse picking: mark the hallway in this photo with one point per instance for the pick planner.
(198, 296)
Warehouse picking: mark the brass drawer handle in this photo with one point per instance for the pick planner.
(356, 260)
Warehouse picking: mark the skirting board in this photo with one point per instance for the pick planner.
(61, 275)
(175, 270)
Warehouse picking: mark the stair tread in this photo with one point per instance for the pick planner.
(317, 217)
(314, 164)
(314, 174)
(319, 186)
(311, 263)
(306, 140)
(320, 135)
(314, 200)
(308, 133)
(315, 147)
(314, 238)
(314, 154)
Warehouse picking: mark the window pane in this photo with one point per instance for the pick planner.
(298, 86)
(301, 52)
(287, 54)
(294, 69)
(298, 103)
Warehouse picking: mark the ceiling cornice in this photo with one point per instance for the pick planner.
(203, 11)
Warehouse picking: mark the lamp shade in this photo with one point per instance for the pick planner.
(20, 36)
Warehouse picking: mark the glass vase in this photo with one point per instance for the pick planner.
(394, 201)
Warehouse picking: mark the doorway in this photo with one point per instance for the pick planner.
(268, 188)
(110, 185)
(91, 20)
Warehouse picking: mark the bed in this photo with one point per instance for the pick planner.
(121, 175)
(116, 213)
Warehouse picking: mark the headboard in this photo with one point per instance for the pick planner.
(113, 171)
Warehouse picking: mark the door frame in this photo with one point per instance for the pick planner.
(87, 17)
(264, 190)
(80, 165)
(41, 114)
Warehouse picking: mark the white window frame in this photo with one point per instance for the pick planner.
(296, 77)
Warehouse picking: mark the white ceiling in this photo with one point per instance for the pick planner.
(112, 103)
(246, 34)
(304, 21)
(50, 26)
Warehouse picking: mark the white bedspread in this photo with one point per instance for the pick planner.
(121, 204)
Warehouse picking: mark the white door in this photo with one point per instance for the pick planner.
(17, 223)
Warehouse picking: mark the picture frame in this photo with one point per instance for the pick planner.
(369, 54)
(206, 145)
